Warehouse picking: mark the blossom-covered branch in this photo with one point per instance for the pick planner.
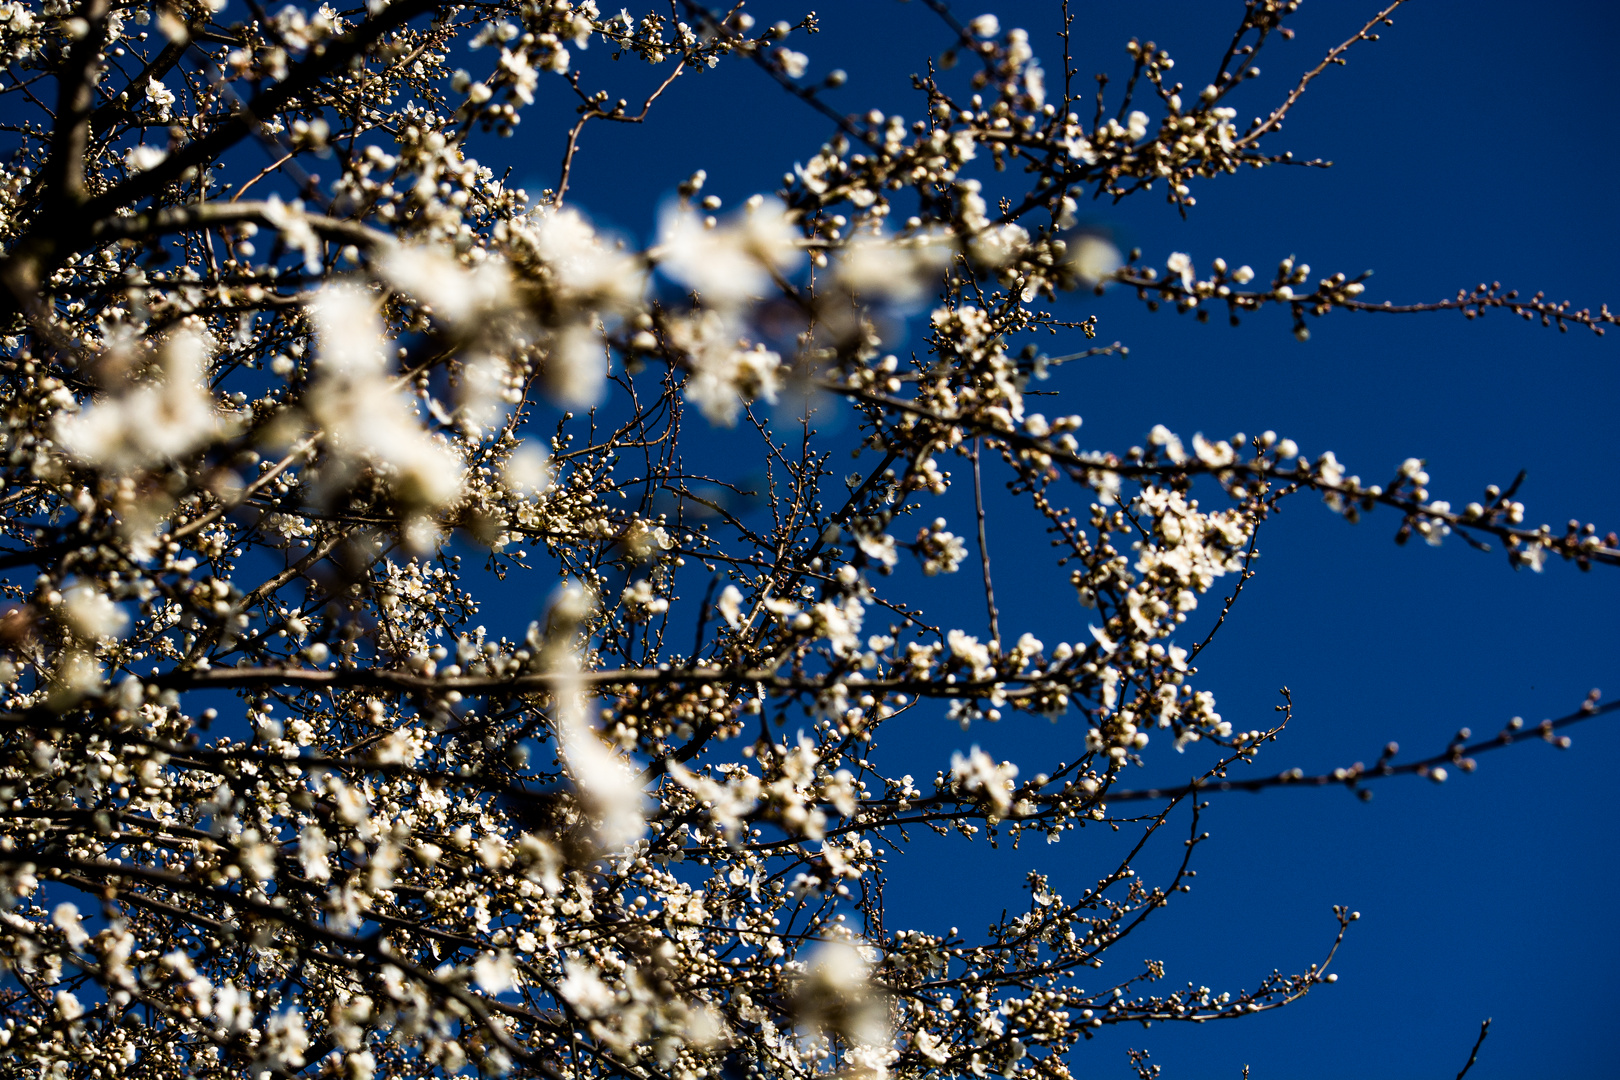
(285, 786)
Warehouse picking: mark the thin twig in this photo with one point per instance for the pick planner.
(1333, 57)
(984, 549)
(1456, 753)
(1484, 1029)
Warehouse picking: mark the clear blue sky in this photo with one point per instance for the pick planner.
(1474, 142)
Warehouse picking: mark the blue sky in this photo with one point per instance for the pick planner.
(1473, 143)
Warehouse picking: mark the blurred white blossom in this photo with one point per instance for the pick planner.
(731, 262)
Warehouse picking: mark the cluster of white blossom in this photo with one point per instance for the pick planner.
(274, 797)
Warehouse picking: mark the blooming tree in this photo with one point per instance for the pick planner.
(295, 387)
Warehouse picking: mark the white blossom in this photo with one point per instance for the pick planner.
(527, 472)
(91, 614)
(494, 972)
(150, 422)
(370, 422)
(460, 295)
(65, 917)
(288, 476)
(730, 606)
(901, 271)
(584, 989)
(161, 97)
(977, 773)
(732, 262)
(606, 783)
(1093, 259)
(836, 994)
(144, 157)
(793, 63)
(585, 266)
(575, 367)
(1180, 264)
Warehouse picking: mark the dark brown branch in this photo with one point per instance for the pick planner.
(303, 76)
(63, 177)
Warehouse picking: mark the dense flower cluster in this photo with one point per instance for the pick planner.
(275, 801)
